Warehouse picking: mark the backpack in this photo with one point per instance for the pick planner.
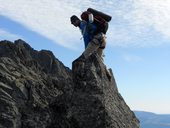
(99, 19)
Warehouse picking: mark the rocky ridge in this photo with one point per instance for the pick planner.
(38, 91)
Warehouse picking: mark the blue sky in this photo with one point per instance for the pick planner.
(138, 41)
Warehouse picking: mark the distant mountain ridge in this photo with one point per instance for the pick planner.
(152, 120)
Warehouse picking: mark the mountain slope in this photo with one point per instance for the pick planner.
(38, 91)
(151, 120)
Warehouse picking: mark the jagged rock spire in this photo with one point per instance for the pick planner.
(38, 91)
(96, 99)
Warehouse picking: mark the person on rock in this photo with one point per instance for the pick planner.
(94, 41)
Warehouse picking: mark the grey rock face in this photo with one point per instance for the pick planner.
(96, 99)
(38, 91)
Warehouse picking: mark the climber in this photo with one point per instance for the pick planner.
(94, 38)
(94, 42)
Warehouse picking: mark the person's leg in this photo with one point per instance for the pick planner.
(98, 41)
(100, 52)
(91, 48)
(102, 46)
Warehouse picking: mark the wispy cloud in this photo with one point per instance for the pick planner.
(154, 13)
(7, 35)
(131, 23)
(132, 58)
(141, 23)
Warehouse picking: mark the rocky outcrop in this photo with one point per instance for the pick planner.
(38, 91)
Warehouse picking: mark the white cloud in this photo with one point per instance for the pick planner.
(50, 19)
(7, 35)
(132, 58)
(155, 13)
(131, 22)
(142, 23)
